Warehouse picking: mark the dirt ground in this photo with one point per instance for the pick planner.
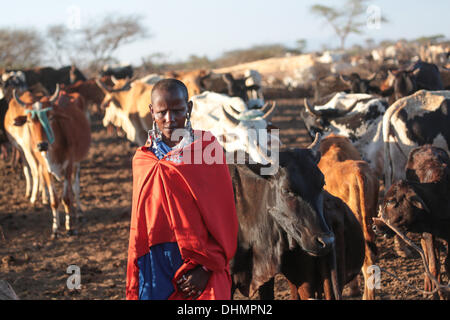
(36, 266)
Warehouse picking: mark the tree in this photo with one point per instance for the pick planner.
(20, 48)
(346, 19)
(101, 40)
(95, 43)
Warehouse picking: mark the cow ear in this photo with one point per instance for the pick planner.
(20, 121)
(418, 203)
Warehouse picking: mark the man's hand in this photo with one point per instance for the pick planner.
(193, 282)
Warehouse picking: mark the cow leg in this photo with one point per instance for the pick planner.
(43, 186)
(3, 151)
(54, 203)
(293, 290)
(32, 164)
(369, 260)
(27, 174)
(67, 199)
(325, 280)
(76, 191)
(306, 291)
(266, 290)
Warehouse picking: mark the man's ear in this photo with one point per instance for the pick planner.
(190, 104)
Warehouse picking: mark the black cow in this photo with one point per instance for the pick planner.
(359, 85)
(226, 84)
(119, 72)
(275, 213)
(47, 76)
(421, 204)
(312, 277)
(421, 75)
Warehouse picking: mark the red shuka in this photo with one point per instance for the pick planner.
(191, 204)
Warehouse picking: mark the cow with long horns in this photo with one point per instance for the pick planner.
(56, 133)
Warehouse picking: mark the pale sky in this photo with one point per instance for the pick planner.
(210, 27)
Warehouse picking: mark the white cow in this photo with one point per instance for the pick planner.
(235, 126)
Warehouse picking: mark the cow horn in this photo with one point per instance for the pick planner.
(16, 97)
(101, 85)
(345, 80)
(311, 109)
(114, 80)
(372, 77)
(314, 146)
(264, 107)
(270, 111)
(228, 117)
(236, 112)
(56, 94)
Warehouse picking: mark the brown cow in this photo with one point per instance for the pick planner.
(126, 107)
(56, 132)
(352, 180)
(91, 92)
(421, 203)
(192, 79)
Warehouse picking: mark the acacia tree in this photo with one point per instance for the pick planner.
(20, 48)
(346, 19)
(96, 42)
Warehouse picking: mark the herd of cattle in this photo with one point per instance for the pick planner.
(377, 151)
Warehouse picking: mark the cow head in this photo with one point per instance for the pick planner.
(248, 130)
(37, 114)
(318, 121)
(404, 209)
(359, 85)
(120, 85)
(12, 80)
(299, 200)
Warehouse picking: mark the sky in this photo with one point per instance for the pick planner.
(180, 28)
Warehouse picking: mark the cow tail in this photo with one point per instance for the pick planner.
(366, 217)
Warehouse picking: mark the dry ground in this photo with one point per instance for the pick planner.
(36, 266)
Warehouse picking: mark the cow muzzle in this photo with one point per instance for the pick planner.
(42, 146)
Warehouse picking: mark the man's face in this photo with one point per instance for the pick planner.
(169, 110)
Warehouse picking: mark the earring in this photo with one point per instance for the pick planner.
(188, 126)
(155, 133)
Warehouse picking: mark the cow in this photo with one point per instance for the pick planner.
(419, 76)
(248, 87)
(360, 85)
(127, 108)
(420, 204)
(312, 277)
(352, 180)
(117, 71)
(91, 92)
(423, 118)
(56, 132)
(275, 213)
(191, 79)
(355, 116)
(49, 77)
(236, 127)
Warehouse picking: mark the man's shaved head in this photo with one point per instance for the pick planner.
(170, 85)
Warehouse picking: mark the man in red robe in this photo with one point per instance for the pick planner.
(183, 230)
